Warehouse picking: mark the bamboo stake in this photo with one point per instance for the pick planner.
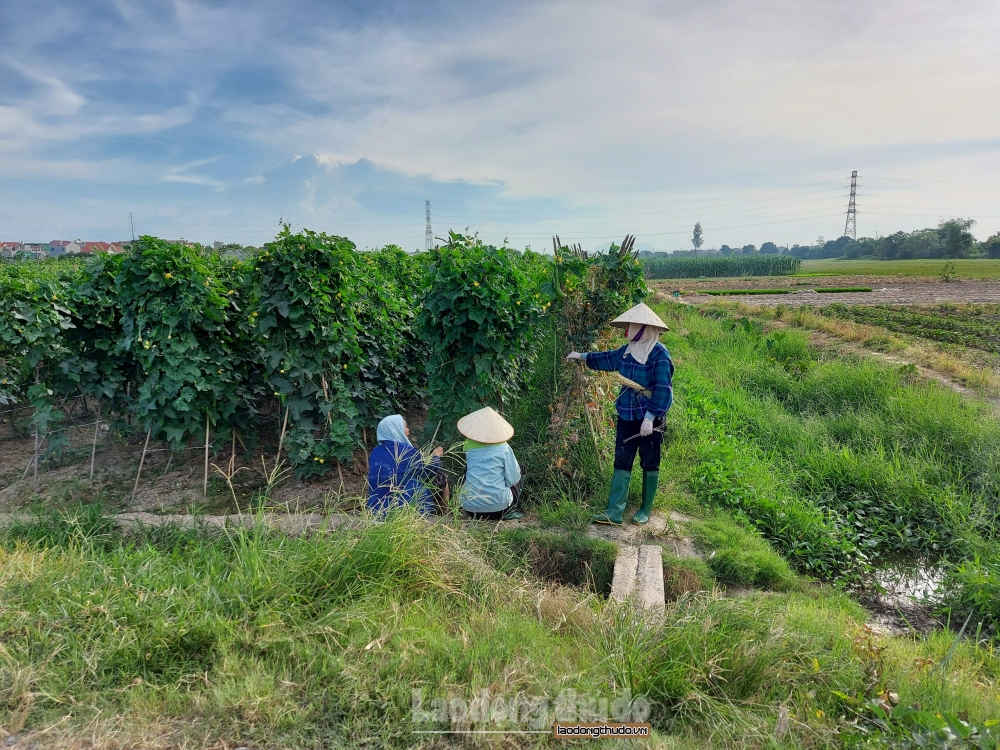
(583, 397)
(281, 440)
(204, 486)
(93, 448)
(27, 466)
(36, 457)
(555, 362)
(340, 473)
(142, 460)
(590, 424)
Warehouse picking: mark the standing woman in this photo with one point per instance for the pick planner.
(640, 416)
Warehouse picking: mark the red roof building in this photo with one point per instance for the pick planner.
(95, 247)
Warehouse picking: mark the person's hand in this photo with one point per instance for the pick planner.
(646, 428)
(439, 451)
(574, 355)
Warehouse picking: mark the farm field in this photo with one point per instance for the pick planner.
(882, 292)
(799, 476)
(965, 268)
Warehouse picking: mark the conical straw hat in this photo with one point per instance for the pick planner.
(640, 314)
(485, 426)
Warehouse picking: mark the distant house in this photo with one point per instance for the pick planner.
(10, 249)
(95, 247)
(63, 247)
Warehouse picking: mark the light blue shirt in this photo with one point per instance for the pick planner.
(489, 474)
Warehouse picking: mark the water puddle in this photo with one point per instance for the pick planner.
(909, 587)
(907, 581)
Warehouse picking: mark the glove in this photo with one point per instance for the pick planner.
(646, 428)
(574, 355)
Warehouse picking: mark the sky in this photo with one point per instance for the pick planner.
(517, 120)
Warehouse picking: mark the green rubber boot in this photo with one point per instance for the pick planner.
(650, 479)
(617, 499)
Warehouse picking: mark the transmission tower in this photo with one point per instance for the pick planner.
(851, 227)
(428, 234)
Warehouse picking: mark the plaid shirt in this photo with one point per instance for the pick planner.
(656, 375)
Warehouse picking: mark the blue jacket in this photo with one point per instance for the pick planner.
(398, 474)
(656, 375)
(490, 472)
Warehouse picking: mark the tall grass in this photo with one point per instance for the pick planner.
(735, 265)
(836, 461)
(249, 637)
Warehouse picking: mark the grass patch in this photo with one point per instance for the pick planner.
(752, 292)
(965, 268)
(570, 560)
(739, 556)
(685, 575)
(971, 367)
(243, 637)
(738, 292)
(834, 461)
(566, 514)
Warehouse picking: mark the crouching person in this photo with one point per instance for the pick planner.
(492, 474)
(398, 474)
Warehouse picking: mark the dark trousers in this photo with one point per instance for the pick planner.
(498, 514)
(627, 442)
(440, 492)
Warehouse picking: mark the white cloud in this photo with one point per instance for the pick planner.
(632, 115)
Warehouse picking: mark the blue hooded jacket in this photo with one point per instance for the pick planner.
(397, 473)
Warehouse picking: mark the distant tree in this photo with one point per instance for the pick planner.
(749, 249)
(922, 243)
(991, 247)
(768, 248)
(956, 237)
(696, 239)
(725, 250)
(888, 247)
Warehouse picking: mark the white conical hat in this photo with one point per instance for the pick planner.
(640, 314)
(485, 426)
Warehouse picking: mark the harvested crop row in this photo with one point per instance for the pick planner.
(974, 326)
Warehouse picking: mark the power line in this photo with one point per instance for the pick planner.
(689, 206)
(685, 230)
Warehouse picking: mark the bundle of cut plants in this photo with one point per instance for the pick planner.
(622, 380)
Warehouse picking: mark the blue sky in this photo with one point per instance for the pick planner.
(215, 120)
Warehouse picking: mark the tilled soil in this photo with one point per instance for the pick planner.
(167, 483)
(883, 293)
(784, 282)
